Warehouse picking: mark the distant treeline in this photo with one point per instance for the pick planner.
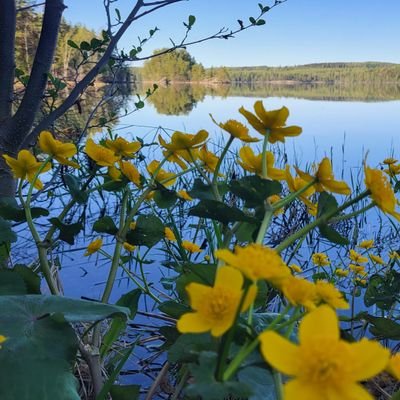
(324, 72)
(180, 66)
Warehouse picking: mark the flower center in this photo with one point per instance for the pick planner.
(220, 304)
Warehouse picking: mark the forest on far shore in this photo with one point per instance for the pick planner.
(180, 66)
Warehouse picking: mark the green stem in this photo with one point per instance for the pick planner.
(227, 340)
(42, 250)
(288, 199)
(264, 225)
(353, 214)
(239, 358)
(220, 160)
(278, 384)
(322, 219)
(264, 155)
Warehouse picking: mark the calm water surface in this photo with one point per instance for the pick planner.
(346, 131)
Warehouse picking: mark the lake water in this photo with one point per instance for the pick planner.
(344, 130)
(343, 126)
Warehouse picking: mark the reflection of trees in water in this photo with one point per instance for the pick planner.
(180, 99)
(95, 110)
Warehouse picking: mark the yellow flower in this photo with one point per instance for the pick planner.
(94, 246)
(393, 366)
(274, 199)
(132, 225)
(114, 173)
(381, 191)
(131, 172)
(366, 244)
(320, 259)
(256, 262)
(323, 366)
(295, 268)
(270, 121)
(297, 183)
(299, 292)
(191, 247)
(2, 340)
(376, 259)
(183, 194)
(357, 257)
(361, 282)
(253, 163)
(163, 177)
(58, 150)
(100, 154)
(357, 269)
(25, 166)
(341, 273)
(394, 255)
(328, 294)
(236, 129)
(215, 307)
(184, 141)
(393, 170)
(389, 161)
(325, 181)
(128, 247)
(169, 234)
(123, 148)
(209, 159)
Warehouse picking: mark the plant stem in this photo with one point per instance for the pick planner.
(322, 219)
(264, 155)
(278, 384)
(220, 160)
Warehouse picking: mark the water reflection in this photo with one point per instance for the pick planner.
(180, 99)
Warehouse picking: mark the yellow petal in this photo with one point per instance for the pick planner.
(303, 390)
(321, 322)
(339, 187)
(280, 353)
(229, 277)
(250, 297)
(369, 358)
(325, 170)
(253, 121)
(192, 323)
(197, 293)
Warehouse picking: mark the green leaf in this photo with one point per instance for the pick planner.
(41, 341)
(7, 235)
(130, 301)
(11, 283)
(199, 273)
(326, 204)
(10, 210)
(383, 290)
(72, 44)
(204, 192)
(67, 231)
(219, 211)
(382, 328)
(246, 232)
(206, 386)
(252, 20)
(191, 20)
(118, 14)
(188, 347)
(261, 382)
(85, 46)
(105, 225)
(31, 279)
(333, 236)
(125, 392)
(148, 232)
(74, 188)
(165, 198)
(173, 308)
(260, 22)
(254, 190)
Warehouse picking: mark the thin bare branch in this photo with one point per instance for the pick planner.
(31, 6)
(7, 34)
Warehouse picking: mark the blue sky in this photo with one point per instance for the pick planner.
(296, 32)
